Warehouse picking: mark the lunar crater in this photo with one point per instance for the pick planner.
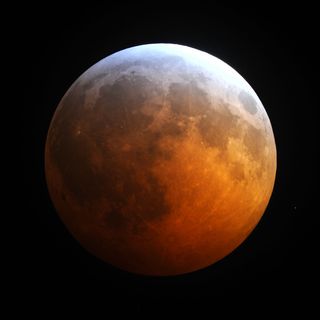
(248, 102)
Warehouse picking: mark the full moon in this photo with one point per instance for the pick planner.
(160, 159)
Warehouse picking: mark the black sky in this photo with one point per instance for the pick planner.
(273, 48)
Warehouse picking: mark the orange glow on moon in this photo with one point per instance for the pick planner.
(160, 159)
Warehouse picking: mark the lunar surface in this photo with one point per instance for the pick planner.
(160, 159)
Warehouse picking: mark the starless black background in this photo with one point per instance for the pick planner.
(273, 48)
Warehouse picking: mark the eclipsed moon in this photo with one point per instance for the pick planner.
(160, 159)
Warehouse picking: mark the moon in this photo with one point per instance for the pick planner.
(160, 159)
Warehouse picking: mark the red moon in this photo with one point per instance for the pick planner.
(160, 159)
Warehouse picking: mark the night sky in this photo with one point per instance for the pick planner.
(274, 50)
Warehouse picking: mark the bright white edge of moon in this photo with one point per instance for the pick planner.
(221, 80)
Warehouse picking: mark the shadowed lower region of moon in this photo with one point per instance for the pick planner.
(160, 159)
